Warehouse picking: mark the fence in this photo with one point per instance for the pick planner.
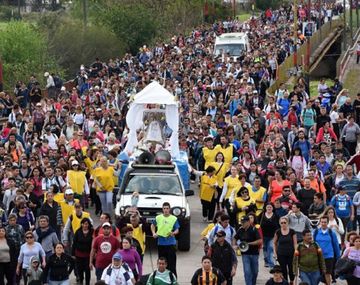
(284, 69)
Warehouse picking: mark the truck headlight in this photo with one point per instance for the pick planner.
(177, 211)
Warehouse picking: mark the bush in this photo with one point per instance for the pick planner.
(133, 23)
(73, 45)
(24, 52)
(265, 4)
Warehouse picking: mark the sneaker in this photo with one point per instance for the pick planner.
(205, 219)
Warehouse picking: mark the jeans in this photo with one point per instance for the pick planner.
(169, 252)
(251, 268)
(269, 251)
(106, 201)
(98, 273)
(285, 262)
(7, 270)
(63, 282)
(311, 278)
(82, 265)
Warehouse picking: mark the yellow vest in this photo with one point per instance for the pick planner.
(209, 155)
(207, 230)
(105, 178)
(116, 178)
(233, 184)
(207, 190)
(77, 181)
(220, 174)
(165, 225)
(258, 195)
(58, 197)
(139, 235)
(67, 210)
(228, 153)
(90, 164)
(76, 221)
(240, 203)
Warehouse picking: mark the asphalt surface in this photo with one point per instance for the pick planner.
(188, 262)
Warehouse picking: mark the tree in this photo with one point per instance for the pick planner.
(133, 24)
(24, 52)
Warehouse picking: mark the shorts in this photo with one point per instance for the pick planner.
(329, 265)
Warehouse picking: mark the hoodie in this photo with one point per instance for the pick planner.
(34, 273)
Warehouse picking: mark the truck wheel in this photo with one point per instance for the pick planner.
(184, 238)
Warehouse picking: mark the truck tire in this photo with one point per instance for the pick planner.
(184, 238)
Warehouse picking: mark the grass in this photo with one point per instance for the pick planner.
(354, 21)
(352, 82)
(244, 17)
(314, 86)
(3, 25)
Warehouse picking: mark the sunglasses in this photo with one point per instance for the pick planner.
(283, 223)
(286, 190)
(29, 237)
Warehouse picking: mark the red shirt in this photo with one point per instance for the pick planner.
(105, 248)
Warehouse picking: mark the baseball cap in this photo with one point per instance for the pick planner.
(245, 219)
(220, 234)
(117, 255)
(69, 192)
(106, 224)
(75, 162)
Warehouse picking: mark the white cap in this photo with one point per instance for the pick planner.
(46, 74)
(69, 192)
(106, 224)
(63, 88)
(74, 162)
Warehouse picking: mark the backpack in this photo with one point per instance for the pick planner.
(58, 82)
(170, 276)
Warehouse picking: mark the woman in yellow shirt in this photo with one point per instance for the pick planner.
(207, 193)
(221, 168)
(104, 184)
(243, 204)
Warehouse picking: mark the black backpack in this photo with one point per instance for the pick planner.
(58, 82)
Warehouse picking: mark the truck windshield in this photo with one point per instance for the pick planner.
(231, 49)
(154, 184)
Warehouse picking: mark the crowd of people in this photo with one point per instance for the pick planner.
(271, 168)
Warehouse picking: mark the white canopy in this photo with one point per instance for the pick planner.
(154, 93)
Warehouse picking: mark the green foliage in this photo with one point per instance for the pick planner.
(24, 52)
(73, 45)
(265, 4)
(7, 13)
(134, 24)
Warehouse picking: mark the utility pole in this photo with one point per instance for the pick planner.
(344, 31)
(351, 21)
(19, 9)
(308, 47)
(85, 11)
(234, 8)
(295, 31)
(357, 13)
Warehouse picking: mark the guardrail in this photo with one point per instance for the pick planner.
(315, 40)
(346, 57)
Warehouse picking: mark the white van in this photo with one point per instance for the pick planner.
(233, 44)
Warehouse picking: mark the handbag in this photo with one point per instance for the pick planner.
(345, 267)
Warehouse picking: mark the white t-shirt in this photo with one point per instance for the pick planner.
(117, 276)
(334, 116)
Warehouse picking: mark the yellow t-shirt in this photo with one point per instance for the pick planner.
(209, 155)
(77, 181)
(76, 221)
(104, 177)
(90, 164)
(227, 152)
(139, 235)
(233, 184)
(220, 170)
(240, 203)
(207, 190)
(258, 195)
(67, 209)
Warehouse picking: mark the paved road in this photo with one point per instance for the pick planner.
(188, 262)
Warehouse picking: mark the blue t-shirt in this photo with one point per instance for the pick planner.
(168, 240)
(342, 205)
